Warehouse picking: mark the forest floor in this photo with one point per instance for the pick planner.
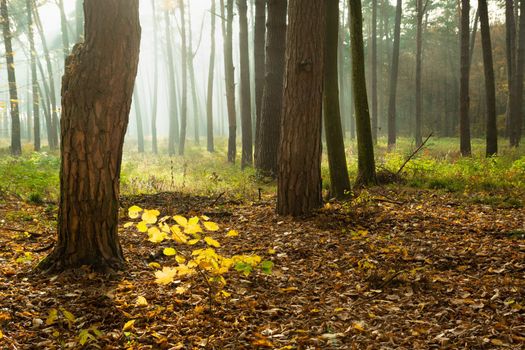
(397, 268)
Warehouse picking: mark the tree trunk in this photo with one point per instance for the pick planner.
(510, 39)
(79, 19)
(464, 121)
(209, 94)
(184, 102)
(299, 180)
(173, 137)
(490, 88)
(191, 71)
(473, 37)
(96, 98)
(229, 72)
(138, 118)
(246, 100)
(34, 77)
(259, 38)
(339, 180)
(516, 93)
(373, 66)
(16, 145)
(154, 144)
(394, 70)
(419, 63)
(365, 145)
(351, 108)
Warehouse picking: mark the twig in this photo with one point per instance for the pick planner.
(413, 154)
(20, 230)
(217, 199)
(43, 249)
(386, 200)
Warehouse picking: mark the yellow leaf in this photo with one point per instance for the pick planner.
(166, 276)
(177, 235)
(211, 226)
(150, 216)
(193, 241)
(181, 220)
(52, 317)
(155, 235)
(181, 290)
(225, 293)
(142, 226)
(169, 251)
(198, 309)
(210, 241)
(180, 259)
(128, 224)
(128, 325)
(497, 342)
(193, 221)
(133, 212)
(360, 326)
(232, 233)
(271, 251)
(1, 335)
(205, 218)
(154, 265)
(68, 315)
(141, 301)
(193, 228)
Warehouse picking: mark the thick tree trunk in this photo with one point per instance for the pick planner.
(246, 99)
(299, 181)
(154, 144)
(34, 77)
(339, 180)
(209, 92)
(419, 63)
(96, 98)
(259, 38)
(138, 119)
(490, 88)
(16, 145)
(464, 121)
(516, 92)
(393, 78)
(269, 129)
(229, 72)
(184, 59)
(365, 146)
(173, 137)
(373, 66)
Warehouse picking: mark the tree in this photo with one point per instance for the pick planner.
(34, 77)
(373, 66)
(269, 129)
(510, 40)
(229, 72)
(464, 121)
(246, 104)
(299, 180)
(96, 99)
(516, 90)
(154, 144)
(365, 146)
(209, 94)
(259, 42)
(184, 59)
(16, 146)
(420, 11)
(138, 119)
(339, 180)
(490, 87)
(393, 78)
(173, 137)
(63, 26)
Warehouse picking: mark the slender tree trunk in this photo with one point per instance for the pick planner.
(45, 99)
(259, 38)
(211, 71)
(34, 77)
(79, 19)
(229, 71)
(373, 66)
(516, 93)
(63, 25)
(173, 124)
(154, 144)
(246, 105)
(490, 88)
(138, 119)
(16, 145)
(339, 180)
(393, 78)
(184, 96)
(96, 98)
(269, 130)
(191, 71)
(299, 181)
(365, 145)
(464, 123)
(351, 108)
(419, 63)
(473, 37)
(510, 39)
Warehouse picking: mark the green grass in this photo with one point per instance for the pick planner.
(34, 176)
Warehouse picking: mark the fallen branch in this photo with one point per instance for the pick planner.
(21, 231)
(43, 249)
(217, 199)
(413, 154)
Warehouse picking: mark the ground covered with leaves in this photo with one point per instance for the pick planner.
(396, 268)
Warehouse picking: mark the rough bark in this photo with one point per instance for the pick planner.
(516, 92)
(16, 145)
(365, 146)
(184, 78)
(229, 72)
(394, 70)
(299, 180)
(209, 92)
(96, 98)
(246, 99)
(490, 87)
(34, 77)
(339, 180)
(464, 120)
(269, 130)
(259, 38)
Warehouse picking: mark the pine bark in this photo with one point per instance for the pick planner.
(419, 63)
(299, 180)
(34, 76)
(229, 72)
(184, 73)
(96, 98)
(374, 71)
(510, 40)
(246, 99)
(209, 92)
(464, 122)
(394, 70)
(259, 44)
(516, 92)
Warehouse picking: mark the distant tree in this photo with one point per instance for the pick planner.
(339, 180)
(138, 119)
(191, 72)
(246, 104)
(79, 20)
(16, 146)
(229, 70)
(299, 180)
(365, 146)
(154, 144)
(373, 66)
(64, 28)
(420, 12)
(490, 87)
(209, 92)
(96, 98)
(510, 51)
(269, 129)
(393, 78)
(184, 78)
(464, 121)
(173, 137)
(34, 77)
(259, 42)
(516, 90)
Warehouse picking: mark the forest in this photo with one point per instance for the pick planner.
(262, 174)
